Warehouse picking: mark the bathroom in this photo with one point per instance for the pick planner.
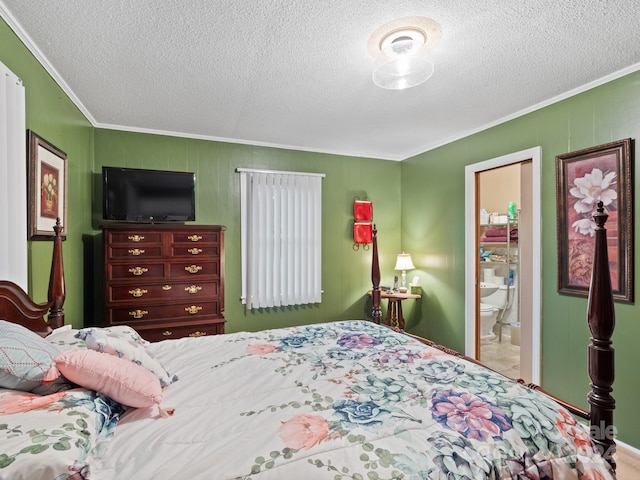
(499, 241)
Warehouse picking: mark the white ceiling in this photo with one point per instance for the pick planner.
(297, 74)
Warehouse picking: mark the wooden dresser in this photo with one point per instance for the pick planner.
(166, 281)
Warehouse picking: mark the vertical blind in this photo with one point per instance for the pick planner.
(281, 220)
(13, 179)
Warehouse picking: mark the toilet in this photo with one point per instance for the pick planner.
(488, 315)
(490, 306)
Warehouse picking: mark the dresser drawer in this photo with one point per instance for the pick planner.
(195, 237)
(141, 293)
(138, 312)
(194, 269)
(134, 252)
(173, 331)
(194, 251)
(142, 270)
(134, 237)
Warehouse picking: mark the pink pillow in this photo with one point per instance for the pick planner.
(117, 378)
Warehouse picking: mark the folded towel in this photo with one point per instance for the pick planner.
(496, 232)
(495, 239)
(514, 233)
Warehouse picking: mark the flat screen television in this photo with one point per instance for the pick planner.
(147, 196)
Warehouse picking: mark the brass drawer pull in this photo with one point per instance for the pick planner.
(138, 313)
(192, 310)
(194, 251)
(197, 334)
(166, 287)
(136, 238)
(193, 268)
(194, 238)
(138, 292)
(193, 289)
(167, 333)
(136, 252)
(138, 270)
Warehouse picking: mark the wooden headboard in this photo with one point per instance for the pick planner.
(16, 306)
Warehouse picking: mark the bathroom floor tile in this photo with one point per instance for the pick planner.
(501, 356)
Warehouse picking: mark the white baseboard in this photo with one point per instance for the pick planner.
(628, 448)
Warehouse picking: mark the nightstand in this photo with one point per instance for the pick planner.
(394, 316)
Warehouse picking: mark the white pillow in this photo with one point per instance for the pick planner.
(64, 338)
(125, 343)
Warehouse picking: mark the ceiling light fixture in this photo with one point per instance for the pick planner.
(401, 49)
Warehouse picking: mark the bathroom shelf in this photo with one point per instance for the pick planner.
(509, 248)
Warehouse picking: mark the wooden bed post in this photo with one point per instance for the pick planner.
(601, 318)
(56, 281)
(375, 279)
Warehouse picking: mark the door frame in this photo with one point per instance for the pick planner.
(471, 227)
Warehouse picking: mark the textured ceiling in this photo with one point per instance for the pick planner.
(297, 74)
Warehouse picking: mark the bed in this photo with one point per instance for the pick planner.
(350, 399)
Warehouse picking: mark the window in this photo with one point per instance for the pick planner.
(13, 180)
(281, 238)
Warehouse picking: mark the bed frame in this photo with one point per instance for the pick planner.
(16, 306)
(601, 320)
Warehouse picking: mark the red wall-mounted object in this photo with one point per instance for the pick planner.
(362, 233)
(362, 211)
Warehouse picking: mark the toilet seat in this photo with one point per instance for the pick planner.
(486, 308)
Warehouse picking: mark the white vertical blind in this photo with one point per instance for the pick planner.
(281, 220)
(13, 180)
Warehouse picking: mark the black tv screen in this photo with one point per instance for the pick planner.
(139, 195)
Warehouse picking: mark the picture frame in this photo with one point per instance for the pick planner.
(47, 187)
(583, 178)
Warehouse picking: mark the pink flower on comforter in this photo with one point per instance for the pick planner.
(18, 402)
(304, 431)
(471, 415)
(260, 348)
(571, 430)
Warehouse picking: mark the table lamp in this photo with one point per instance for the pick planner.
(404, 263)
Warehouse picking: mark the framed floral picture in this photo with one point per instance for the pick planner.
(47, 188)
(584, 178)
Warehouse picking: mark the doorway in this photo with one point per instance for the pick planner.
(524, 295)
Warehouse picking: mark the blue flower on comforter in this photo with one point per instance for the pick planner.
(441, 371)
(471, 415)
(380, 390)
(342, 354)
(364, 414)
(293, 342)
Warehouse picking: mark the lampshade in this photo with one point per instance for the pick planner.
(403, 262)
(403, 63)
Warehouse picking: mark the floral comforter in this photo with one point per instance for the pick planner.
(59, 441)
(344, 400)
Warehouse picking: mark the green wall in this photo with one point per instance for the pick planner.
(433, 228)
(52, 115)
(346, 273)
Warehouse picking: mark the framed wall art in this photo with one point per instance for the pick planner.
(584, 178)
(47, 187)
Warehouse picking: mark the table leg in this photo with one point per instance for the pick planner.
(400, 317)
(390, 315)
(394, 313)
